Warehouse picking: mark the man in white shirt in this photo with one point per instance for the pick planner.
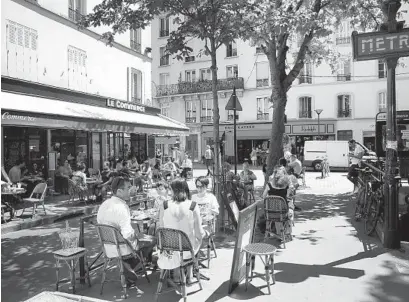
(296, 165)
(209, 159)
(355, 158)
(15, 172)
(115, 212)
(187, 165)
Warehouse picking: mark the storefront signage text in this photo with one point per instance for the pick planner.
(125, 105)
(308, 128)
(8, 116)
(240, 127)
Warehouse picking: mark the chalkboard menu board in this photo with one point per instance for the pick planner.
(230, 202)
(244, 236)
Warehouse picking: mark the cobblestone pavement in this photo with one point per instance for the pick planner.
(329, 259)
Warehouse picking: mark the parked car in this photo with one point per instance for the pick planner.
(337, 153)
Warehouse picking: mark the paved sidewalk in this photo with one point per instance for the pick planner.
(329, 259)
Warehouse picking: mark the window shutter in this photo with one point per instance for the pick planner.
(128, 71)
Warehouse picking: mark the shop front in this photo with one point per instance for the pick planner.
(258, 135)
(49, 131)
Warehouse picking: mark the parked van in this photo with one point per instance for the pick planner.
(337, 153)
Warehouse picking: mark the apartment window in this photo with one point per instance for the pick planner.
(344, 135)
(305, 76)
(164, 79)
(343, 34)
(190, 59)
(164, 58)
(344, 105)
(21, 35)
(164, 27)
(77, 67)
(262, 74)
(263, 108)
(305, 106)
(190, 75)
(135, 85)
(382, 101)
(382, 71)
(205, 74)
(76, 9)
(344, 71)
(136, 39)
(231, 49)
(164, 109)
(232, 71)
(190, 112)
(206, 114)
(230, 115)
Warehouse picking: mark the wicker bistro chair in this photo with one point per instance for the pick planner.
(37, 196)
(276, 210)
(210, 226)
(176, 241)
(111, 236)
(74, 190)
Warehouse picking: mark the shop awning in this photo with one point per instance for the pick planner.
(27, 110)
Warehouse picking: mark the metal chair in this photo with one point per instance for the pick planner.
(211, 246)
(75, 190)
(176, 241)
(112, 237)
(276, 210)
(37, 196)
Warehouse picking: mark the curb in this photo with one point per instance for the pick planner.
(31, 223)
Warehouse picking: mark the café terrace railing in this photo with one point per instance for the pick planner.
(199, 86)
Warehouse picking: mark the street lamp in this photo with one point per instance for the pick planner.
(318, 111)
(234, 104)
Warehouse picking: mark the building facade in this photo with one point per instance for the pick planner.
(347, 96)
(68, 96)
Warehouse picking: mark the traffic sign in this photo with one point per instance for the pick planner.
(233, 103)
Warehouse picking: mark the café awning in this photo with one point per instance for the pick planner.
(32, 111)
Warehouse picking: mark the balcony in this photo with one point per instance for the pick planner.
(136, 100)
(164, 33)
(304, 79)
(263, 116)
(164, 61)
(343, 77)
(74, 15)
(343, 40)
(262, 83)
(190, 59)
(230, 117)
(199, 86)
(206, 119)
(136, 46)
(305, 114)
(344, 113)
(191, 120)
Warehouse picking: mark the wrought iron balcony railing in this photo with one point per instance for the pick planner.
(190, 59)
(344, 113)
(199, 86)
(304, 79)
(262, 82)
(305, 114)
(343, 77)
(136, 100)
(263, 116)
(205, 119)
(164, 60)
(74, 15)
(136, 46)
(230, 117)
(164, 33)
(191, 120)
(343, 40)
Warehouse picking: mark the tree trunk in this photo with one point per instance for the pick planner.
(216, 136)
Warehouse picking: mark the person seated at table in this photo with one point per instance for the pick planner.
(147, 172)
(80, 179)
(16, 173)
(229, 174)
(184, 215)
(106, 171)
(296, 165)
(247, 178)
(187, 166)
(35, 171)
(4, 176)
(115, 212)
(139, 181)
(169, 169)
(206, 201)
(156, 171)
(134, 163)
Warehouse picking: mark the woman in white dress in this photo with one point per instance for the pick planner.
(180, 214)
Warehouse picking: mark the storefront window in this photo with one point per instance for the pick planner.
(138, 146)
(63, 142)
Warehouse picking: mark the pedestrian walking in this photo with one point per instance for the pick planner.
(253, 157)
(209, 159)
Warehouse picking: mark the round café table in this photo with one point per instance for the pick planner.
(7, 200)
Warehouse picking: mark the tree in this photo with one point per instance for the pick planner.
(293, 31)
(214, 22)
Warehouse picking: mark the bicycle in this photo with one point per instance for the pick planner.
(375, 207)
(363, 192)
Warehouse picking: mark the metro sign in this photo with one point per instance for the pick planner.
(377, 45)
